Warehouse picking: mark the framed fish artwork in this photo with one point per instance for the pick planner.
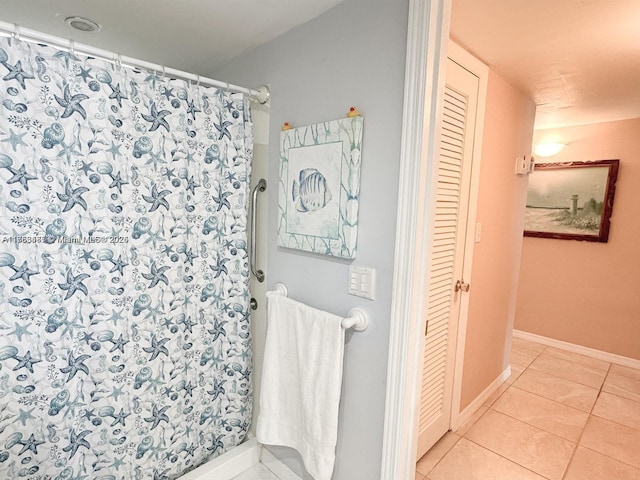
(320, 187)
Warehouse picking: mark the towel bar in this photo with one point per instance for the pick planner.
(357, 318)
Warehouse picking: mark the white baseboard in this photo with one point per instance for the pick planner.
(468, 412)
(572, 347)
(278, 468)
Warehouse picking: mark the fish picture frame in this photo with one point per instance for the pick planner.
(319, 188)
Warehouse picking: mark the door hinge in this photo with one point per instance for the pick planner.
(460, 285)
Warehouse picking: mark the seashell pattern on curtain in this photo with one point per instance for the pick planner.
(125, 349)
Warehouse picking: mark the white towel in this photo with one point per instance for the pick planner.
(301, 382)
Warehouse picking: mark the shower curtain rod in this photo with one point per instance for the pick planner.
(261, 94)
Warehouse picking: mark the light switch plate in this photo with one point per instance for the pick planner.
(362, 282)
(525, 165)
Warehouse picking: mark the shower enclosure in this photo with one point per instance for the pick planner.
(125, 346)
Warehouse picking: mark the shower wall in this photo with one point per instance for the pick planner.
(259, 169)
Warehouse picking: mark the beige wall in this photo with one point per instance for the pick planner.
(588, 293)
(508, 131)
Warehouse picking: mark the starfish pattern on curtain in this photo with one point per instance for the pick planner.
(125, 346)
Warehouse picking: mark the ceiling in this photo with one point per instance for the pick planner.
(190, 35)
(578, 59)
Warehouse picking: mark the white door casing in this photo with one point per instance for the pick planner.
(427, 40)
(428, 30)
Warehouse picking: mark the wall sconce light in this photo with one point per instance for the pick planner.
(547, 149)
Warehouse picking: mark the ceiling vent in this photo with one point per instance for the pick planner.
(82, 24)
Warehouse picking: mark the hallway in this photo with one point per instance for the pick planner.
(560, 416)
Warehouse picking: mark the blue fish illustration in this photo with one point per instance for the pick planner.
(310, 192)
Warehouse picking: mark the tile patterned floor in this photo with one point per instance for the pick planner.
(258, 472)
(560, 416)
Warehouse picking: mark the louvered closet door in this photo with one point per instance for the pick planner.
(447, 254)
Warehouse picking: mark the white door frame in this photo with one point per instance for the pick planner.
(427, 37)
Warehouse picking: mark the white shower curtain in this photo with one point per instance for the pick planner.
(125, 347)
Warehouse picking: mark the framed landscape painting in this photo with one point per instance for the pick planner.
(571, 201)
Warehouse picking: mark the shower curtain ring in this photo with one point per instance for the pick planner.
(72, 47)
(16, 34)
(198, 89)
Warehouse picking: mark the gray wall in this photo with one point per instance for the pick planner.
(353, 54)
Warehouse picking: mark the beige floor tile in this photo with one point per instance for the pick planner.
(613, 440)
(543, 413)
(471, 422)
(629, 372)
(589, 464)
(575, 372)
(618, 409)
(516, 371)
(435, 454)
(496, 395)
(468, 461)
(523, 359)
(555, 388)
(526, 346)
(577, 358)
(623, 386)
(524, 352)
(419, 476)
(528, 446)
